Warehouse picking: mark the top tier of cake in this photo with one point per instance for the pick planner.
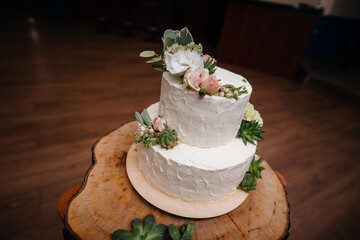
(208, 121)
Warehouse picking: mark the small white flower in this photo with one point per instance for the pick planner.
(151, 131)
(252, 115)
(182, 60)
(142, 128)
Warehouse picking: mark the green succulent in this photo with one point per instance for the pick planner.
(186, 231)
(142, 231)
(255, 169)
(250, 131)
(168, 137)
(149, 231)
(248, 183)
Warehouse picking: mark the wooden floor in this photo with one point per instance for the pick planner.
(64, 86)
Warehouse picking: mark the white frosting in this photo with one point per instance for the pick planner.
(192, 173)
(207, 121)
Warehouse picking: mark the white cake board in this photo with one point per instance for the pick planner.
(173, 205)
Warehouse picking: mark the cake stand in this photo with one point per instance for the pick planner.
(106, 201)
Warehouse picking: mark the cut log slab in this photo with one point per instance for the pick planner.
(107, 201)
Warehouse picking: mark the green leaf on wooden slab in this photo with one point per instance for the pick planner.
(159, 67)
(122, 234)
(149, 220)
(158, 233)
(186, 231)
(147, 53)
(187, 234)
(174, 233)
(155, 59)
(146, 231)
(137, 226)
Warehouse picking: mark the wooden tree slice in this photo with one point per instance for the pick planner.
(107, 201)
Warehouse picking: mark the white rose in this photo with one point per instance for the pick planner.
(252, 115)
(182, 60)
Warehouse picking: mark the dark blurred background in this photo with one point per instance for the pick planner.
(70, 72)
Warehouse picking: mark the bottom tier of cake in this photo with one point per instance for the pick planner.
(195, 174)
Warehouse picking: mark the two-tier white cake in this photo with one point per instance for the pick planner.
(209, 161)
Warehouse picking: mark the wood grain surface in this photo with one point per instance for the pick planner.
(107, 201)
(62, 86)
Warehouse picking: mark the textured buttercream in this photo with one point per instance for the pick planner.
(192, 173)
(208, 121)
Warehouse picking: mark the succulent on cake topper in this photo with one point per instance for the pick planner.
(154, 132)
(250, 128)
(168, 138)
(249, 181)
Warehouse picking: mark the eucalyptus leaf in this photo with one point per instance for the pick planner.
(122, 234)
(155, 59)
(139, 118)
(147, 53)
(159, 67)
(146, 117)
(174, 233)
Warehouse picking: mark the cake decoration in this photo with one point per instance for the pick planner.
(154, 132)
(185, 59)
(250, 129)
(211, 131)
(249, 181)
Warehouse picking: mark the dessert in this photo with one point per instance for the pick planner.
(189, 143)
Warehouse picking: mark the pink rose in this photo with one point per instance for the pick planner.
(158, 124)
(193, 78)
(208, 57)
(210, 84)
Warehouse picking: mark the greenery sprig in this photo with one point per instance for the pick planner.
(181, 38)
(146, 134)
(150, 231)
(154, 59)
(249, 181)
(250, 131)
